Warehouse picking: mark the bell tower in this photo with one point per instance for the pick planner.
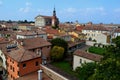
(54, 12)
(55, 21)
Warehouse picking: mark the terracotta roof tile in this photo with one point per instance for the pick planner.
(117, 30)
(33, 43)
(79, 28)
(21, 55)
(100, 28)
(90, 56)
(25, 33)
(50, 17)
(51, 31)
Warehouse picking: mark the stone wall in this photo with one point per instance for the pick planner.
(52, 74)
(90, 43)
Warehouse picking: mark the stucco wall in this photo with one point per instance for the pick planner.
(3, 58)
(76, 61)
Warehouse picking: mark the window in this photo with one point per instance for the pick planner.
(84, 61)
(24, 65)
(17, 65)
(13, 62)
(36, 64)
(18, 72)
(80, 60)
(13, 69)
(8, 64)
(11, 76)
(10, 67)
(10, 60)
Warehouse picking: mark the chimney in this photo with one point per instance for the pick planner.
(40, 74)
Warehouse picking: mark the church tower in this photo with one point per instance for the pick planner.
(55, 21)
(54, 12)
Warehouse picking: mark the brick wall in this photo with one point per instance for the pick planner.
(30, 66)
(12, 68)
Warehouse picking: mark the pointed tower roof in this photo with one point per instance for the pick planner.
(54, 12)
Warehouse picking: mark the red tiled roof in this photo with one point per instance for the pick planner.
(90, 56)
(3, 40)
(49, 37)
(79, 28)
(21, 55)
(51, 31)
(50, 17)
(117, 30)
(100, 28)
(62, 34)
(40, 32)
(25, 33)
(33, 43)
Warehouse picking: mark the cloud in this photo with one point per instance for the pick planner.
(117, 10)
(1, 3)
(27, 8)
(28, 4)
(71, 10)
(92, 11)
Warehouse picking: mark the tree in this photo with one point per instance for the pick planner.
(86, 70)
(60, 42)
(109, 67)
(55, 27)
(25, 21)
(117, 41)
(57, 53)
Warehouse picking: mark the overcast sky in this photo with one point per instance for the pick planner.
(97, 11)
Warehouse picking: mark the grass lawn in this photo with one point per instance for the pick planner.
(97, 50)
(65, 66)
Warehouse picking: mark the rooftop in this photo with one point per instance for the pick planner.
(21, 55)
(33, 43)
(50, 17)
(90, 56)
(28, 33)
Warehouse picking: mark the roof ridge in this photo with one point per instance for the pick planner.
(22, 56)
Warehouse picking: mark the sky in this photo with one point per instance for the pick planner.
(96, 11)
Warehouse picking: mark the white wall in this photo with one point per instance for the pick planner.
(20, 37)
(3, 58)
(90, 43)
(76, 61)
(116, 34)
(40, 21)
(44, 36)
(92, 33)
(101, 38)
